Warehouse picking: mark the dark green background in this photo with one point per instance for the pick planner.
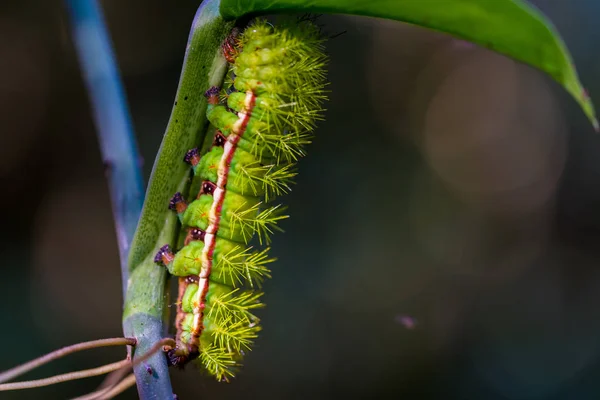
(448, 184)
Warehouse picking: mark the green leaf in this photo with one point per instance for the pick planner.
(511, 27)
(145, 312)
(203, 66)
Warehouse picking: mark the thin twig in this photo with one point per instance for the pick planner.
(109, 392)
(112, 379)
(21, 369)
(122, 386)
(86, 373)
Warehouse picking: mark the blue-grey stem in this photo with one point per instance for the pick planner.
(112, 120)
(122, 165)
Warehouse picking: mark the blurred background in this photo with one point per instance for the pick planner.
(444, 235)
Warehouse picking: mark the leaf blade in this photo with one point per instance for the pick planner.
(510, 27)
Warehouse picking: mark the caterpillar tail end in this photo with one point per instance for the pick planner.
(176, 359)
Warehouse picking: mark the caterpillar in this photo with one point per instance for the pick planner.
(263, 120)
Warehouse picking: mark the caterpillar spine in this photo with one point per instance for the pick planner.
(263, 122)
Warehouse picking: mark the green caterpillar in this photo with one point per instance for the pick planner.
(276, 91)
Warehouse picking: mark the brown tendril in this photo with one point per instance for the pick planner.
(21, 369)
(86, 373)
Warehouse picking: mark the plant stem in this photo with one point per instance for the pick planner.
(113, 379)
(112, 120)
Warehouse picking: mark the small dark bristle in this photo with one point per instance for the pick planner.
(213, 91)
(148, 369)
(190, 155)
(197, 234)
(174, 360)
(177, 198)
(219, 140)
(158, 257)
(208, 187)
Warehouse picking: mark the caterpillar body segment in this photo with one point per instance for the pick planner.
(263, 122)
(234, 265)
